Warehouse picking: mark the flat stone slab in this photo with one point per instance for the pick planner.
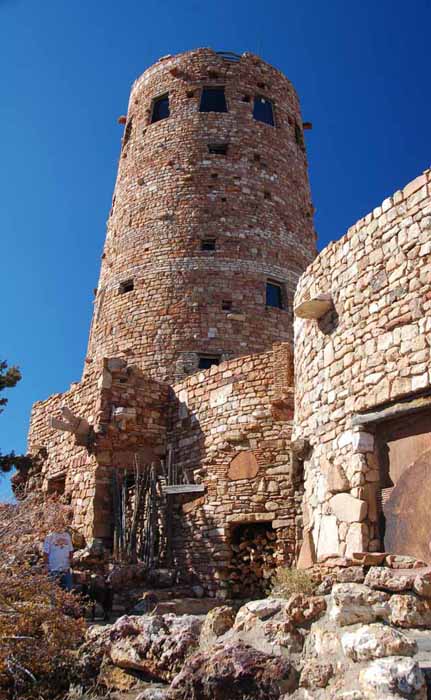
(314, 308)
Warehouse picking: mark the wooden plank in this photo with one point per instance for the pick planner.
(183, 488)
(398, 409)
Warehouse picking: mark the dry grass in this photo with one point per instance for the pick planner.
(286, 582)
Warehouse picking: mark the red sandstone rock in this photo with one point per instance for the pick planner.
(236, 672)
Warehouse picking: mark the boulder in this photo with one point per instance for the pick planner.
(266, 626)
(263, 609)
(217, 622)
(382, 578)
(154, 693)
(323, 641)
(115, 678)
(155, 645)
(235, 671)
(376, 641)
(409, 611)
(316, 674)
(354, 603)
(393, 675)
(92, 652)
(351, 574)
(303, 609)
(422, 585)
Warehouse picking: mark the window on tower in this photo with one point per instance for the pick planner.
(207, 361)
(213, 100)
(125, 287)
(217, 149)
(208, 244)
(263, 110)
(160, 109)
(274, 294)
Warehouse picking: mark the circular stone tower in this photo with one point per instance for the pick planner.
(211, 220)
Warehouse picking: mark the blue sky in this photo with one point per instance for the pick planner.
(361, 70)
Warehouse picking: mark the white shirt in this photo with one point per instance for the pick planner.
(58, 546)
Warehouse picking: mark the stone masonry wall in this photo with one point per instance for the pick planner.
(371, 350)
(59, 454)
(231, 432)
(171, 193)
(127, 413)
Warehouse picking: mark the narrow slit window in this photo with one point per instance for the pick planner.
(263, 110)
(127, 132)
(213, 100)
(125, 287)
(274, 295)
(160, 109)
(207, 361)
(217, 149)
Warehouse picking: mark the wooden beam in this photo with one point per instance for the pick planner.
(402, 408)
(183, 488)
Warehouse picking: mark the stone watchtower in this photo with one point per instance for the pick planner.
(211, 220)
(210, 229)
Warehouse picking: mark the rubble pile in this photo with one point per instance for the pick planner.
(355, 638)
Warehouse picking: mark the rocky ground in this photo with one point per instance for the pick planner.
(364, 635)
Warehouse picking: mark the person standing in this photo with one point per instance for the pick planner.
(57, 551)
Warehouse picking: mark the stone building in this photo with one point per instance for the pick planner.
(363, 384)
(190, 359)
(189, 369)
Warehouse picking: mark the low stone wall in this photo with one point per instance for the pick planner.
(127, 414)
(58, 456)
(231, 431)
(370, 349)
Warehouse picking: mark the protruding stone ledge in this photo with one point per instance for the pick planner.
(314, 308)
(79, 427)
(241, 518)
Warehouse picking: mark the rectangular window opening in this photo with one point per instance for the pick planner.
(57, 484)
(207, 361)
(226, 305)
(274, 294)
(213, 100)
(263, 110)
(160, 109)
(217, 149)
(208, 244)
(126, 286)
(267, 195)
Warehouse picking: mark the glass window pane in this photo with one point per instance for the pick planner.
(213, 100)
(273, 295)
(160, 109)
(263, 110)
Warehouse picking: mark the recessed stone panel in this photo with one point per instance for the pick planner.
(243, 466)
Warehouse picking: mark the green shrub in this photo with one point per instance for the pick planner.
(286, 582)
